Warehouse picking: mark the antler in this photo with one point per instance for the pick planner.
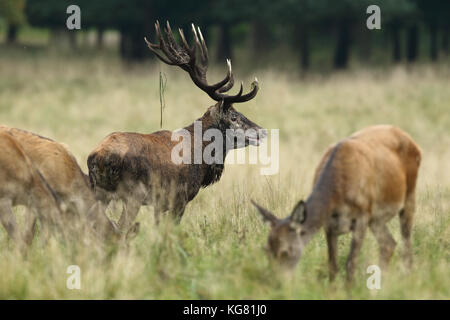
(185, 56)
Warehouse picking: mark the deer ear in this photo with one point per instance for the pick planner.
(266, 214)
(298, 215)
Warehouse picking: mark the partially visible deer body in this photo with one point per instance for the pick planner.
(138, 169)
(62, 173)
(362, 181)
(22, 184)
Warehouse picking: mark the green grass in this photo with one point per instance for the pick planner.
(217, 250)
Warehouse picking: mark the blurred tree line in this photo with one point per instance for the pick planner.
(264, 24)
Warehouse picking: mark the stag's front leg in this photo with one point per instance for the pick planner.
(359, 228)
(157, 214)
(132, 202)
(129, 213)
(177, 213)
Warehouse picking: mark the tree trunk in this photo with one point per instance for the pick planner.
(132, 47)
(100, 39)
(260, 39)
(55, 37)
(11, 37)
(125, 44)
(397, 51)
(63, 38)
(413, 43)
(445, 39)
(342, 52)
(224, 50)
(302, 45)
(366, 45)
(72, 36)
(433, 42)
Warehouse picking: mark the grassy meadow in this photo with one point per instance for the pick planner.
(217, 250)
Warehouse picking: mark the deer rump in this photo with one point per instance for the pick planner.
(138, 166)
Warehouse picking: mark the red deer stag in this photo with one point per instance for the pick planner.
(22, 184)
(138, 169)
(61, 171)
(362, 181)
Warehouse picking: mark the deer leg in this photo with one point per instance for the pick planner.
(332, 253)
(406, 221)
(123, 216)
(132, 232)
(99, 222)
(157, 214)
(130, 210)
(44, 230)
(385, 241)
(359, 230)
(30, 226)
(177, 214)
(8, 219)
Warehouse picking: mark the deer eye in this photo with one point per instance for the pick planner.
(233, 118)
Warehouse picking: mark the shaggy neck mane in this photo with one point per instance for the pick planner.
(211, 172)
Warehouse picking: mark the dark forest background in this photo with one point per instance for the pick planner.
(312, 33)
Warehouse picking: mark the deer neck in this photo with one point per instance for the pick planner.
(211, 172)
(317, 207)
(321, 200)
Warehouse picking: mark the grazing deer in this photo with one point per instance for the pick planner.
(362, 181)
(138, 169)
(70, 185)
(22, 184)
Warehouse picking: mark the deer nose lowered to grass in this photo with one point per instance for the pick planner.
(138, 168)
(362, 181)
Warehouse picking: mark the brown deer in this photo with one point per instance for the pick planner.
(138, 168)
(362, 181)
(60, 170)
(22, 184)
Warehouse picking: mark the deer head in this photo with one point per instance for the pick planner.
(286, 238)
(221, 115)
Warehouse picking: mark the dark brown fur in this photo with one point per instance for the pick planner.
(138, 168)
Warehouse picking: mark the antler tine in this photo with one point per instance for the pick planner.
(173, 45)
(228, 85)
(184, 56)
(153, 48)
(185, 44)
(151, 45)
(238, 95)
(228, 80)
(199, 45)
(163, 45)
(247, 96)
(205, 55)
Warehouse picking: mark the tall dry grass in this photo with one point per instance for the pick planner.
(217, 250)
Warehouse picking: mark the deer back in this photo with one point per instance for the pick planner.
(376, 166)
